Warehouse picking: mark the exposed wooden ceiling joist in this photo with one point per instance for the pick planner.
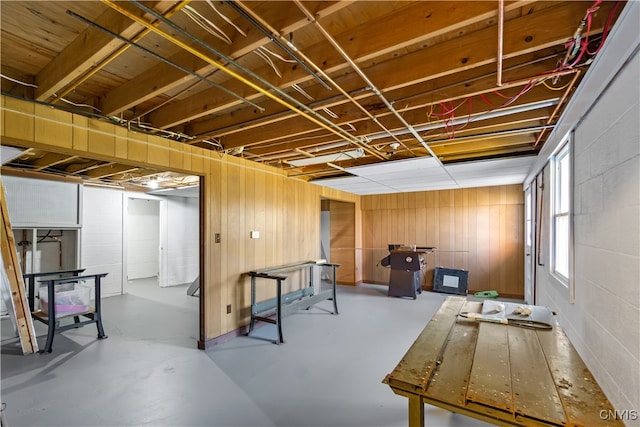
(424, 57)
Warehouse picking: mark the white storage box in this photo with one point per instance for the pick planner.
(68, 302)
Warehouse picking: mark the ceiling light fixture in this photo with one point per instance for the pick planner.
(153, 183)
(335, 157)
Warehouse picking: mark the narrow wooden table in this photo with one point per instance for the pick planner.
(502, 374)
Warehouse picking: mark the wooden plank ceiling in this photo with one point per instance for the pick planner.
(280, 81)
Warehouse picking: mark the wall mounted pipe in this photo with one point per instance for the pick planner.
(494, 134)
(307, 113)
(482, 116)
(500, 40)
(163, 59)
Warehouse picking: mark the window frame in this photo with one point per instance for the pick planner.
(562, 213)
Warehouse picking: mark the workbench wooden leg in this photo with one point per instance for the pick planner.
(416, 411)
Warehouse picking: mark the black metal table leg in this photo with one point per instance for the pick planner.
(253, 302)
(51, 317)
(279, 311)
(98, 313)
(335, 300)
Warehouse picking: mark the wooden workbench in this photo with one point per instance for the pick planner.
(502, 374)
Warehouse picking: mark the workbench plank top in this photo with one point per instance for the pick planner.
(451, 377)
(584, 401)
(415, 368)
(502, 374)
(490, 379)
(534, 390)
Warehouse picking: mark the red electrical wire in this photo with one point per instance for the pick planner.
(485, 99)
(607, 28)
(449, 111)
(585, 42)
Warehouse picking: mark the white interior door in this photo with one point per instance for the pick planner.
(529, 244)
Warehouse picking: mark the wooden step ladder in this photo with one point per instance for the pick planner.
(14, 284)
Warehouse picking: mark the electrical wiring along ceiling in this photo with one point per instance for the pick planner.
(322, 90)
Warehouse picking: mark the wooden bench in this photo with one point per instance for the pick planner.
(92, 314)
(289, 302)
(500, 373)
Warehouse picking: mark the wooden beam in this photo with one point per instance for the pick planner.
(418, 117)
(529, 118)
(50, 160)
(107, 170)
(450, 18)
(87, 165)
(418, 66)
(446, 88)
(7, 170)
(79, 56)
(164, 77)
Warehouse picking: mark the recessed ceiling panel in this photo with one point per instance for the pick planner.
(424, 174)
(491, 172)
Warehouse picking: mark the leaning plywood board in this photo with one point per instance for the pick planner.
(13, 272)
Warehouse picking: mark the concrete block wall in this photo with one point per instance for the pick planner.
(102, 237)
(604, 320)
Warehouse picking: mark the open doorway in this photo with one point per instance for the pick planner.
(162, 245)
(143, 239)
(161, 242)
(338, 238)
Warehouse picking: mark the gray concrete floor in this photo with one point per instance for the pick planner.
(149, 372)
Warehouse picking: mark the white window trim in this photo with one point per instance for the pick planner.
(568, 282)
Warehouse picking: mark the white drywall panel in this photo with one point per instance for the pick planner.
(102, 237)
(181, 248)
(143, 238)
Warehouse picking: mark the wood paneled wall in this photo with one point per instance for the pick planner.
(237, 197)
(240, 196)
(475, 229)
(343, 240)
(286, 212)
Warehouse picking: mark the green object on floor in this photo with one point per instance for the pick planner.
(486, 294)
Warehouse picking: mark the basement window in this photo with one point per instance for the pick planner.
(561, 214)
